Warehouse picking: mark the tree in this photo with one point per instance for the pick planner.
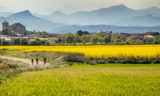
(43, 34)
(115, 38)
(148, 41)
(24, 41)
(70, 38)
(85, 32)
(94, 39)
(5, 32)
(59, 40)
(157, 40)
(8, 32)
(5, 43)
(77, 38)
(80, 32)
(36, 42)
(134, 42)
(17, 41)
(85, 38)
(20, 41)
(103, 37)
(107, 39)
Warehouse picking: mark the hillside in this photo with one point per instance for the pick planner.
(147, 20)
(31, 22)
(98, 28)
(154, 11)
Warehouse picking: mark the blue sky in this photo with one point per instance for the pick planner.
(70, 6)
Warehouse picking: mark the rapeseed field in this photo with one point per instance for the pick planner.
(97, 51)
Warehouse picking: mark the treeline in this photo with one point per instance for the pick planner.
(85, 37)
(25, 42)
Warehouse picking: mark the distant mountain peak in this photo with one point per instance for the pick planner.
(27, 12)
(153, 8)
(116, 7)
(119, 6)
(58, 13)
(23, 13)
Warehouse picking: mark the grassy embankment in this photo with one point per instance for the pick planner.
(9, 68)
(87, 80)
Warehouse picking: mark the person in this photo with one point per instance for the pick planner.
(37, 61)
(45, 60)
(32, 61)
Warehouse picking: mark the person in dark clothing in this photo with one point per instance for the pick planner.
(45, 60)
(37, 61)
(32, 61)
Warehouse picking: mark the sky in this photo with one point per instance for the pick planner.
(70, 6)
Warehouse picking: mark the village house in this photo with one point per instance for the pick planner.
(123, 36)
(6, 38)
(149, 37)
(152, 33)
(136, 36)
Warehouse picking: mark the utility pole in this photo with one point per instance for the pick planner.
(1, 39)
(21, 40)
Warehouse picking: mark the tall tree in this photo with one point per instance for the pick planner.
(70, 38)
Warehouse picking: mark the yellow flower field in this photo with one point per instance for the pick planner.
(98, 51)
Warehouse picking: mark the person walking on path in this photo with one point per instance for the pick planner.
(45, 60)
(32, 61)
(37, 61)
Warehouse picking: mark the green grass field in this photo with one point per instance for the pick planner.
(87, 80)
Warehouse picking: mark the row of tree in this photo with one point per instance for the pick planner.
(103, 38)
(24, 42)
(83, 37)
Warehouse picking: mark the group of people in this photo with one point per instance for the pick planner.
(44, 59)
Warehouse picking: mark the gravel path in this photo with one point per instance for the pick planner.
(27, 61)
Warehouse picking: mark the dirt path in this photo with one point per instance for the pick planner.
(27, 61)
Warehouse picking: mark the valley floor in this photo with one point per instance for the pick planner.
(87, 80)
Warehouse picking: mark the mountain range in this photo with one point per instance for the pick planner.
(106, 28)
(154, 11)
(122, 19)
(112, 15)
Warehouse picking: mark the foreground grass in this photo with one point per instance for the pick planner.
(87, 80)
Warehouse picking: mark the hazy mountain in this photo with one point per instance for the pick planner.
(58, 17)
(41, 16)
(101, 16)
(92, 21)
(116, 15)
(31, 22)
(154, 11)
(5, 14)
(106, 28)
(147, 20)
